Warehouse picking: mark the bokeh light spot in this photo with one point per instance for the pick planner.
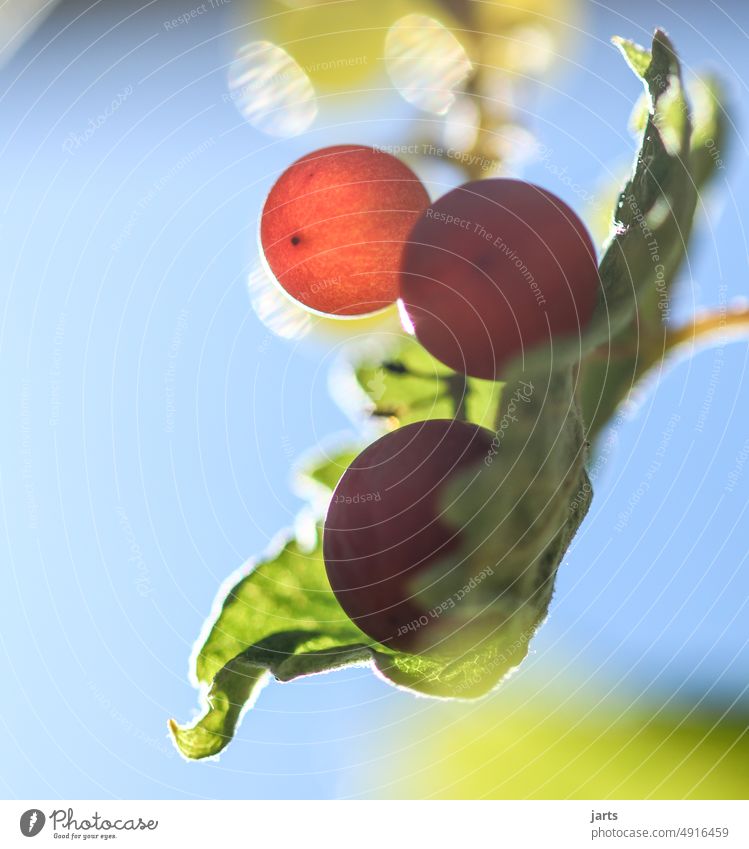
(275, 310)
(271, 90)
(425, 62)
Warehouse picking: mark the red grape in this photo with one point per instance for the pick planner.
(385, 525)
(334, 224)
(493, 268)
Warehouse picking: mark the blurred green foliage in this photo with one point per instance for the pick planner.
(576, 748)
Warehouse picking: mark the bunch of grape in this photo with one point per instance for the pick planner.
(486, 273)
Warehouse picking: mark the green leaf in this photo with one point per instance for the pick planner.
(637, 57)
(520, 514)
(286, 592)
(655, 202)
(535, 740)
(410, 385)
(281, 617)
(652, 224)
(286, 654)
(319, 472)
(710, 135)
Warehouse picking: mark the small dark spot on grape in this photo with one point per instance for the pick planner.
(295, 240)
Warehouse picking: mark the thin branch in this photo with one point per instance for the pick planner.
(714, 326)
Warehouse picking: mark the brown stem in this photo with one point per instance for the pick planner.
(710, 327)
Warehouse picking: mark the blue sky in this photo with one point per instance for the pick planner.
(152, 422)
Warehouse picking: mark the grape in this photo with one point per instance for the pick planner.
(494, 268)
(333, 228)
(385, 526)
